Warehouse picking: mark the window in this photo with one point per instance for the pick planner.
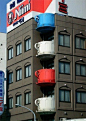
(19, 74)
(10, 53)
(80, 70)
(28, 44)
(80, 97)
(80, 43)
(64, 67)
(64, 40)
(27, 98)
(19, 100)
(19, 49)
(64, 95)
(10, 103)
(10, 77)
(27, 71)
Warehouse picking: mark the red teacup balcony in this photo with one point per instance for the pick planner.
(45, 77)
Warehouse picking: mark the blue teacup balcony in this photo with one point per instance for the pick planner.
(45, 22)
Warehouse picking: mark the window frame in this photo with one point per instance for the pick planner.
(20, 48)
(27, 66)
(11, 77)
(80, 69)
(64, 95)
(63, 40)
(64, 67)
(10, 49)
(80, 43)
(29, 43)
(10, 99)
(80, 97)
(29, 93)
(20, 99)
(20, 71)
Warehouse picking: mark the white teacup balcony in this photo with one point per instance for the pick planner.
(45, 49)
(45, 105)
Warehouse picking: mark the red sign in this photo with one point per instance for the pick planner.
(63, 7)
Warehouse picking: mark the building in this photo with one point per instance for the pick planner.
(58, 59)
(3, 94)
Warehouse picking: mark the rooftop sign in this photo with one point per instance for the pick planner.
(19, 11)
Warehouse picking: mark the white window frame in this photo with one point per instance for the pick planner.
(10, 77)
(10, 53)
(19, 74)
(19, 99)
(28, 98)
(11, 103)
(27, 71)
(27, 44)
(18, 49)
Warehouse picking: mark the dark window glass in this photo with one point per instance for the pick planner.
(10, 77)
(64, 67)
(28, 71)
(64, 95)
(80, 70)
(80, 97)
(10, 53)
(27, 98)
(19, 74)
(10, 103)
(19, 49)
(64, 40)
(80, 43)
(28, 44)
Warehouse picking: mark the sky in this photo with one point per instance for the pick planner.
(3, 15)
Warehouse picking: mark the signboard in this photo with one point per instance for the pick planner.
(1, 92)
(19, 11)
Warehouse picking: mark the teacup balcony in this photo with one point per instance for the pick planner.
(45, 49)
(45, 22)
(45, 105)
(45, 77)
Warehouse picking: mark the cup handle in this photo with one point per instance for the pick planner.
(36, 46)
(37, 74)
(37, 18)
(36, 102)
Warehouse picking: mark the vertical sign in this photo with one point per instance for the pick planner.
(1, 92)
(63, 7)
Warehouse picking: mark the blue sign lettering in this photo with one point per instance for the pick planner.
(20, 21)
(12, 5)
(18, 1)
